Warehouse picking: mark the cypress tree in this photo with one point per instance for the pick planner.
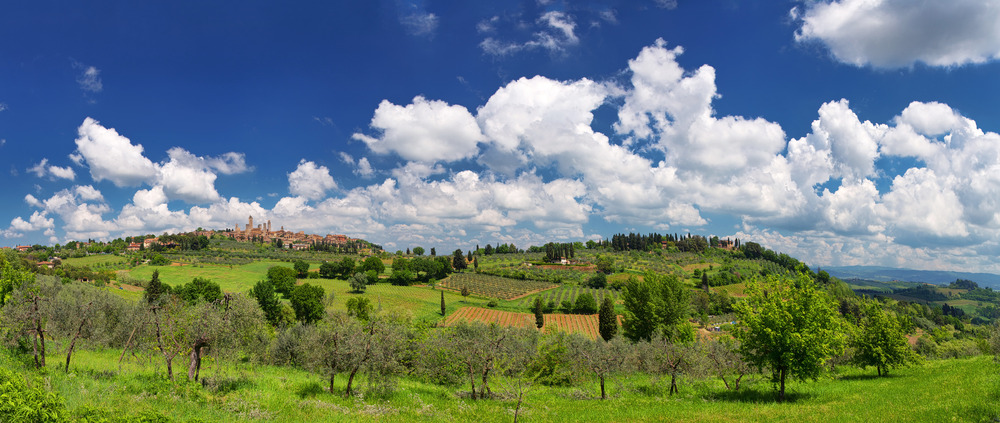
(442, 303)
(538, 309)
(607, 321)
(155, 288)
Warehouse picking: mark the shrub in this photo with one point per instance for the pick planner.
(567, 306)
(585, 304)
(598, 281)
(492, 303)
(24, 402)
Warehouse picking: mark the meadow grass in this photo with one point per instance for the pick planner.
(418, 302)
(230, 278)
(96, 260)
(940, 390)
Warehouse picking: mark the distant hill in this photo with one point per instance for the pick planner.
(937, 277)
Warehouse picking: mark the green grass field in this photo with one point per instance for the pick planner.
(229, 278)
(963, 390)
(96, 260)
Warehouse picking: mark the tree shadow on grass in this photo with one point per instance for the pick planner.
(872, 376)
(757, 396)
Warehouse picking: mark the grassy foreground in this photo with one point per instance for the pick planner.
(941, 390)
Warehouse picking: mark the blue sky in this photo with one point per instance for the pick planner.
(841, 132)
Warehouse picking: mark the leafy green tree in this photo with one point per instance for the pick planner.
(789, 327)
(465, 290)
(418, 251)
(880, 341)
(538, 309)
(401, 278)
(598, 281)
(328, 270)
(672, 303)
(268, 301)
(585, 304)
(607, 319)
(605, 265)
(371, 277)
(282, 278)
(373, 263)
(360, 308)
(307, 301)
(345, 268)
(199, 289)
(12, 275)
(302, 268)
(359, 282)
(639, 319)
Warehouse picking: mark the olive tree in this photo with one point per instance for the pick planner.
(480, 351)
(359, 282)
(602, 358)
(723, 360)
(27, 313)
(662, 356)
(342, 344)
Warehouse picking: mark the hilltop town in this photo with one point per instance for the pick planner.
(261, 233)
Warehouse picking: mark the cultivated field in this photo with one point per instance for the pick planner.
(572, 323)
(569, 293)
(494, 286)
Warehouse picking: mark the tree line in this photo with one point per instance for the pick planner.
(788, 328)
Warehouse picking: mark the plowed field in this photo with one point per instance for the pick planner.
(573, 323)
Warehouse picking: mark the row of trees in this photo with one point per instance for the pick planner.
(344, 268)
(789, 328)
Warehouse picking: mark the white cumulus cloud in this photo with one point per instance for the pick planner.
(425, 130)
(310, 181)
(899, 33)
(111, 156)
(43, 169)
